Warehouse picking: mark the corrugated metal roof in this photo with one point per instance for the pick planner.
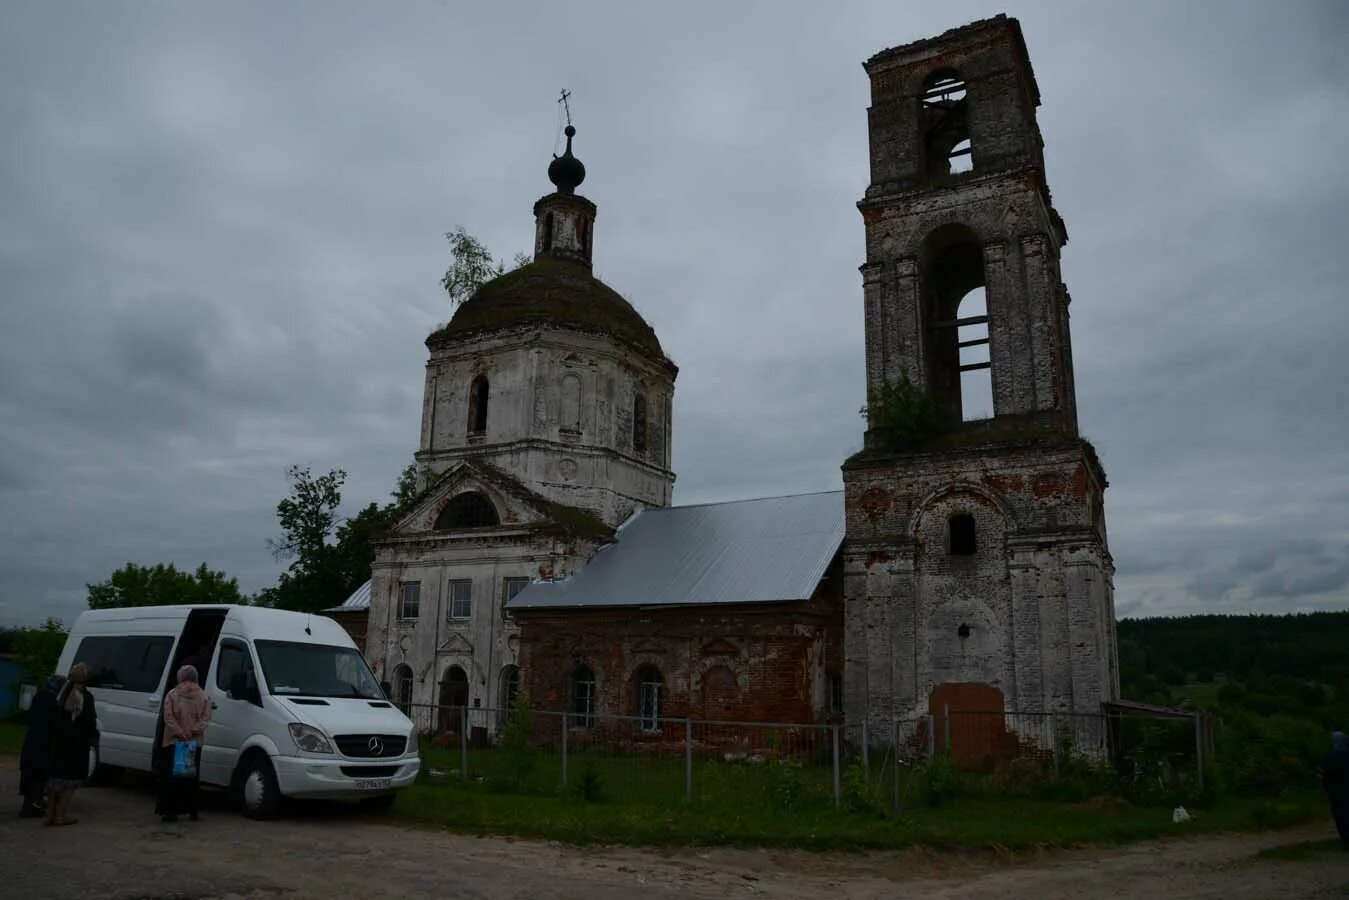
(359, 601)
(745, 551)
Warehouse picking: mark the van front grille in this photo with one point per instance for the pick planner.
(359, 746)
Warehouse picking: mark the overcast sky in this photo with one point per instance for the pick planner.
(221, 229)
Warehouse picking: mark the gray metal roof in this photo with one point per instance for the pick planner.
(359, 601)
(745, 551)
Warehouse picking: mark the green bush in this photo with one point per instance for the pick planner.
(938, 779)
(589, 788)
(786, 785)
(901, 416)
(858, 793)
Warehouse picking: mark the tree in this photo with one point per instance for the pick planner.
(901, 416)
(163, 585)
(330, 559)
(37, 650)
(471, 266)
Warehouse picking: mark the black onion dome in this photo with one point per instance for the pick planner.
(551, 291)
(566, 171)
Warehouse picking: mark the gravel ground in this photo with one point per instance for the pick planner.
(119, 849)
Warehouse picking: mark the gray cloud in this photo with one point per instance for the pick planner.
(221, 231)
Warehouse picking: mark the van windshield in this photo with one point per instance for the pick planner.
(316, 670)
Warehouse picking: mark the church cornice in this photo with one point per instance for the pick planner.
(542, 444)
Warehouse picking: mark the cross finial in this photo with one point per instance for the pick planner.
(566, 107)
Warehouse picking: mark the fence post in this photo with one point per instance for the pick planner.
(688, 760)
(866, 753)
(946, 727)
(463, 740)
(1199, 746)
(1054, 738)
(894, 782)
(564, 750)
(838, 793)
(931, 736)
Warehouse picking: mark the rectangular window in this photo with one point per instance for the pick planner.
(461, 599)
(125, 663)
(411, 601)
(510, 587)
(649, 705)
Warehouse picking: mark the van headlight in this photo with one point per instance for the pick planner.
(413, 748)
(310, 739)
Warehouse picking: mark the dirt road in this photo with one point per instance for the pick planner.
(120, 850)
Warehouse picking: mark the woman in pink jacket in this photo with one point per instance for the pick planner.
(187, 711)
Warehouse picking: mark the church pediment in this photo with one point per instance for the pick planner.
(457, 643)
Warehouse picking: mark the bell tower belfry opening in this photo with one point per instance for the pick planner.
(975, 555)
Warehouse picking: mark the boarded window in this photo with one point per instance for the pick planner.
(721, 693)
(571, 403)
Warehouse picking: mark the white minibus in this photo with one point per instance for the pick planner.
(296, 711)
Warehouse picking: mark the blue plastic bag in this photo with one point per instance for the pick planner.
(184, 759)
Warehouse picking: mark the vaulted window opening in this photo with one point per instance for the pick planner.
(402, 688)
(944, 108)
(453, 698)
(468, 510)
(571, 403)
(956, 339)
(547, 232)
(962, 535)
(477, 405)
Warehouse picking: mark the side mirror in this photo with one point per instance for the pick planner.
(387, 689)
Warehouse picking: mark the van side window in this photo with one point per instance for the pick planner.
(234, 661)
(133, 663)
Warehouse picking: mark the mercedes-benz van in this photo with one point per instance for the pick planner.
(296, 711)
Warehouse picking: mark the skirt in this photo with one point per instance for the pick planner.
(177, 796)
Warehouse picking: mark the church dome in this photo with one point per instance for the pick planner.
(551, 291)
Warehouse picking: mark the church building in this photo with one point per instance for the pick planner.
(966, 570)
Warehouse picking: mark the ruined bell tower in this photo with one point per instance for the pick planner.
(977, 574)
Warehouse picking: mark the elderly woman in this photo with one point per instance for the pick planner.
(1335, 779)
(187, 711)
(36, 758)
(74, 729)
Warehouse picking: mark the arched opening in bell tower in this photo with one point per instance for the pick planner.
(956, 342)
(944, 107)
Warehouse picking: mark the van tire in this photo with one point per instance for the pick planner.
(259, 796)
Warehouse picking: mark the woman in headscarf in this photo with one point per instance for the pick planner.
(36, 759)
(187, 711)
(74, 729)
(1335, 779)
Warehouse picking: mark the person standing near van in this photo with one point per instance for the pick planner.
(74, 729)
(187, 711)
(35, 761)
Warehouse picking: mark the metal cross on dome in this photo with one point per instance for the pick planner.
(566, 107)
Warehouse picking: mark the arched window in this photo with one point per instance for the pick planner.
(721, 694)
(468, 510)
(946, 130)
(571, 403)
(955, 342)
(583, 229)
(453, 698)
(962, 535)
(402, 689)
(639, 423)
(649, 685)
(477, 405)
(582, 697)
(976, 376)
(510, 686)
(548, 232)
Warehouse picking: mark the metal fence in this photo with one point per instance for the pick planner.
(666, 760)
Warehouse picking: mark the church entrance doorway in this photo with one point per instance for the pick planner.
(968, 720)
(453, 698)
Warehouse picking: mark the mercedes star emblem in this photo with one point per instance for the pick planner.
(376, 746)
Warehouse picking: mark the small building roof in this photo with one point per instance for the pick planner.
(766, 550)
(359, 601)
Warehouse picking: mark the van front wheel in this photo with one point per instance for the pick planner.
(258, 794)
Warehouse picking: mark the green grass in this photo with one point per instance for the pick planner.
(11, 736)
(642, 802)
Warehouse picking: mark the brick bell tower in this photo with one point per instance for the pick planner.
(976, 569)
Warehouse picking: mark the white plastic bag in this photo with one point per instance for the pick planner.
(1179, 815)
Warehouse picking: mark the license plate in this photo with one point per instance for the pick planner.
(373, 784)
